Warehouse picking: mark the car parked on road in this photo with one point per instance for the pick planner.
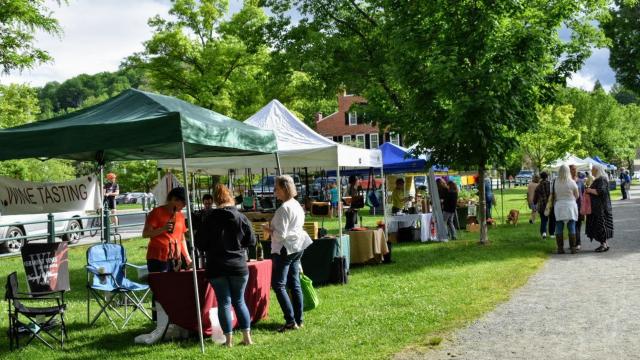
(266, 185)
(524, 177)
(13, 226)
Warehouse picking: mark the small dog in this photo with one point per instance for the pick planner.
(513, 217)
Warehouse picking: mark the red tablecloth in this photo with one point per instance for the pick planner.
(174, 291)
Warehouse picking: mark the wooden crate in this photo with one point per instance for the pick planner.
(311, 228)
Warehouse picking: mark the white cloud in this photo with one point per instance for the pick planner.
(582, 81)
(97, 36)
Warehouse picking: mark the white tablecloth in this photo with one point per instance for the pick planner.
(400, 221)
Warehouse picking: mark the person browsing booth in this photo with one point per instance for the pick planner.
(398, 198)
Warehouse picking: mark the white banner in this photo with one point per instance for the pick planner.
(19, 197)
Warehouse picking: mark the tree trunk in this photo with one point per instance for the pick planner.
(484, 238)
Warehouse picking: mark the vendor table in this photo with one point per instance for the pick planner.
(406, 220)
(174, 291)
(318, 259)
(367, 246)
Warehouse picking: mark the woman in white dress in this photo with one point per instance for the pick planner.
(565, 193)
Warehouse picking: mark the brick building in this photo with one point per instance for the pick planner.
(349, 127)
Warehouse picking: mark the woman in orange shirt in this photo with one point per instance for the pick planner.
(166, 226)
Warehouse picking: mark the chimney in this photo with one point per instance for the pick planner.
(318, 116)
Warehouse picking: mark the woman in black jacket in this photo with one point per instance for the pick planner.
(224, 235)
(449, 208)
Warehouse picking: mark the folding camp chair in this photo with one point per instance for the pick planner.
(108, 285)
(34, 321)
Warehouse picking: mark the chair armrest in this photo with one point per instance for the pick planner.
(44, 294)
(137, 266)
(92, 269)
(142, 270)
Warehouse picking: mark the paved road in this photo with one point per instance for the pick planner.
(584, 306)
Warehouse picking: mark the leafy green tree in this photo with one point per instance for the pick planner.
(208, 58)
(622, 28)
(19, 20)
(623, 95)
(462, 79)
(553, 138)
(19, 105)
(607, 128)
(138, 175)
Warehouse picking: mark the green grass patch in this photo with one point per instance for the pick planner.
(428, 290)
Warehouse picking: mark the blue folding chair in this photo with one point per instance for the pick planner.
(108, 285)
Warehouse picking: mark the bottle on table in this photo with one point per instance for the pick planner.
(259, 252)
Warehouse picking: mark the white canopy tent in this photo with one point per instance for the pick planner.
(581, 164)
(298, 146)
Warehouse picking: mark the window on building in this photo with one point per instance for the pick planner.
(394, 139)
(346, 139)
(353, 118)
(374, 141)
(360, 141)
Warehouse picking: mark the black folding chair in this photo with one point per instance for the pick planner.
(34, 321)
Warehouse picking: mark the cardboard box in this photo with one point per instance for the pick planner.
(473, 227)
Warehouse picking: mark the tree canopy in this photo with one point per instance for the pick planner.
(461, 79)
(622, 28)
(19, 20)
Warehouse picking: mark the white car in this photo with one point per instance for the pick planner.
(12, 226)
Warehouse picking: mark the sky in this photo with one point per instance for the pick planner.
(99, 34)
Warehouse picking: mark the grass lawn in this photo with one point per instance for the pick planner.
(428, 290)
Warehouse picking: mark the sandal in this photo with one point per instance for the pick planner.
(601, 249)
(605, 249)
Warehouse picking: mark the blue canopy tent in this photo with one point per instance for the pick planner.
(397, 160)
(608, 166)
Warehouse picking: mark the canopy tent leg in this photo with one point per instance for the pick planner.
(384, 203)
(193, 247)
(278, 168)
(101, 165)
(339, 183)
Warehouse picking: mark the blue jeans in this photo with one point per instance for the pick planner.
(286, 274)
(230, 290)
(571, 226)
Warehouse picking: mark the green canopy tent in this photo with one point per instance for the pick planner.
(138, 125)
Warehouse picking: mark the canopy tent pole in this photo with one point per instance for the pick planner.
(193, 247)
(278, 168)
(101, 165)
(384, 202)
(339, 183)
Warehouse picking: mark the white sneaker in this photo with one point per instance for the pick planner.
(553, 236)
(544, 235)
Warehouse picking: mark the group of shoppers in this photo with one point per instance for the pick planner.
(559, 203)
(224, 234)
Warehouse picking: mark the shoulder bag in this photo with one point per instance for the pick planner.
(550, 200)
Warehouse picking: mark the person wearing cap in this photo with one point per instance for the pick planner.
(111, 190)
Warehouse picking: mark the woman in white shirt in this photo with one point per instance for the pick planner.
(565, 192)
(288, 241)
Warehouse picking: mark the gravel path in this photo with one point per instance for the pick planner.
(584, 306)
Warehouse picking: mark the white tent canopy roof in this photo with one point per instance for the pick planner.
(298, 146)
(581, 164)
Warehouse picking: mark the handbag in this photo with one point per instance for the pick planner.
(550, 201)
(309, 294)
(585, 204)
(357, 202)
